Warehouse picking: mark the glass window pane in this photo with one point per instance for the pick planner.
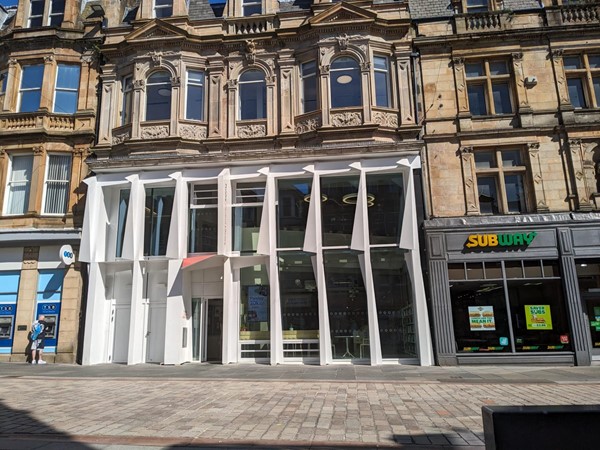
(57, 184)
(57, 6)
(539, 317)
(498, 68)
(596, 82)
(205, 194)
(68, 77)
(380, 62)
(475, 271)
(65, 102)
(9, 282)
(246, 226)
(299, 297)
(511, 158)
(394, 299)
(576, 94)
(30, 101)
(514, 269)
(347, 304)
(309, 86)
(477, 103)
(382, 89)
(339, 195)
(37, 7)
(572, 62)
(551, 269)
(385, 206)
(345, 83)
(3, 81)
(480, 317)
(533, 269)
(515, 193)
(163, 12)
(32, 77)
(493, 270)
(588, 274)
(255, 312)
(474, 69)
(203, 230)
(252, 75)
(250, 192)
(194, 103)
(456, 271)
(19, 184)
(159, 206)
(594, 61)
(484, 160)
(293, 201)
(253, 95)
(488, 195)
(251, 10)
(158, 96)
(501, 94)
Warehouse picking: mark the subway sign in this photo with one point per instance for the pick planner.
(500, 241)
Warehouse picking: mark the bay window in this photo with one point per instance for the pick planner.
(309, 86)
(194, 106)
(67, 88)
(382, 81)
(158, 96)
(345, 83)
(253, 95)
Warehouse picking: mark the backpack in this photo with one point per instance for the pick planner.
(36, 330)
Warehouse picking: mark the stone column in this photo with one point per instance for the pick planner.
(576, 159)
(47, 94)
(232, 110)
(537, 176)
(214, 81)
(175, 102)
(26, 300)
(405, 90)
(324, 97)
(469, 180)
(365, 72)
(272, 102)
(87, 83)
(137, 113)
(286, 86)
(10, 96)
(580, 331)
(522, 106)
(462, 96)
(38, 173)
(107, 112)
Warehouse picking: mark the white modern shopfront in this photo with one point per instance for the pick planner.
(239, 264)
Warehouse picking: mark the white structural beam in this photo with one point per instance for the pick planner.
(231, 320)
(137, 321)
(96, 320)
(178, 230)
(409, 240)
(176, 317)
(133, 239)
(95, 220)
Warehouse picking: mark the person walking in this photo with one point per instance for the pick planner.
(38, 333)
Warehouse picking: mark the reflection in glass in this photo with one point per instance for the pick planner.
(515, 193)
(203, 230)
(394, 299)
(292, 212)
(254, 312)
(253, 95)
(246, 227)
(67, 87)
(385, 205)
(479, 317)
(588, 274)
(477, 104)
(122, 217)
(299, 302)
(347, 304)
(337, 211)
(31, 88)
(345, 83)
(488, 195)
(159, 206)
(158, 96)
(576, 95)
(501, 95)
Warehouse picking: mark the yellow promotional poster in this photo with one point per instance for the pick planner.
(538, 317)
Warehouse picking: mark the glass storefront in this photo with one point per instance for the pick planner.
(385, 201)
(299, 305)
(292, 212)
(339, 196)
(588, 274)
(204, 218)
(347, 305)
(247, 212)
(394, 299)
(508, 307)
(254, 313)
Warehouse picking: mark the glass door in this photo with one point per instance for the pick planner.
(588, 274)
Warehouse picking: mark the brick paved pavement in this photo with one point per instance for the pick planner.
(154, 405)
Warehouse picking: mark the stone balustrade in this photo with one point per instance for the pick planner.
(250, 25)
(482, 22)
(46, 121)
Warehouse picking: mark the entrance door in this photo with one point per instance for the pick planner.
(157, 315)
(592, 303)
(214, 331)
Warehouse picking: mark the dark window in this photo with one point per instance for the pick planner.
(489, 87)
(339, 196)
(158, 96)
(385, 206)
(163, 8)
(67, 88)
(30, 92)
(57, 12)
(36, 13)
(194, 108)
(247, 214)
(204, 219)
(294, 197)
(309, 86)
(253, 95)
(251, 7)
(159, 207)
(345, 83)
(127, 95)
(382, 81)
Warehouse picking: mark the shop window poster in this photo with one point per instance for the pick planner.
(481, 318)
(258, 298)
(538, 317)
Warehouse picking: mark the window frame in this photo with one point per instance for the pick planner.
(499, 172)
(58, 89)
(22, 90)
(156, 7)
(3, 81)
(51, 14)
(9, 182)
(30, 16)
(586, 74)
(487, 80)
(388, 77)
(242, 84)
(126, 100)
(196, 203)
(202, 85)
(303, 79)
(251, 4)
(66, 182)
(148, 84)
(478, 9)
(333, 70)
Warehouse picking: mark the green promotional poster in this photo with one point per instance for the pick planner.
(538, 317)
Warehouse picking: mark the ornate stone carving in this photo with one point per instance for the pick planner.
(386, 119)
(342, 41)
(346, 119)
(30, 257)
(517, 56)
(557, 53)
(139, 84)
(38, 149)
(458, 61)
(88, 58)
(250, 50)
(365, 66)
(270, 79)
(192, 132)
(175, 81)
(48, 59)
(119, 138)
(232, 84)
(250, 131)
(324, 69)
(12, 62)
(155, 132)
(307, 125)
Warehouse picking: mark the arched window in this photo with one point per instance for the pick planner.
(345, 83)
(253, 95)
(158, 96)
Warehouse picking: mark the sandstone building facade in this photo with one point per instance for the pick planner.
(511, 161)
(47, 125)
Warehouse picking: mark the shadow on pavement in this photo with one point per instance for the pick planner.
(16, 426)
